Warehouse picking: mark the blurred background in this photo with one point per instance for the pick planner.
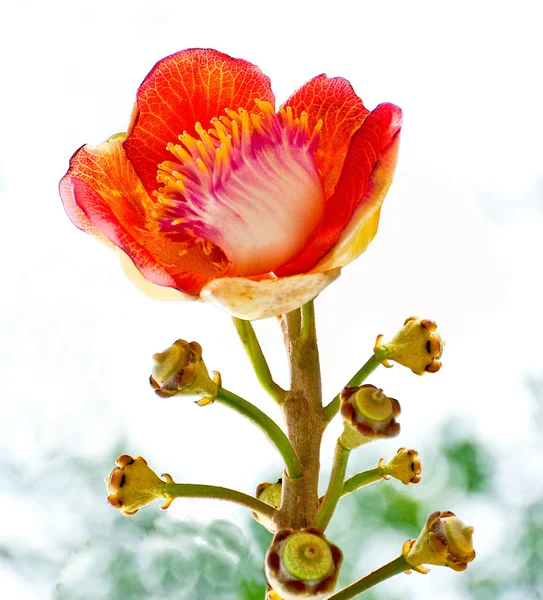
(460, 241)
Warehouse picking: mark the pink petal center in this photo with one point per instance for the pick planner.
(249, 185)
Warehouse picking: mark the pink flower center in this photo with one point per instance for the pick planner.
(249, 185)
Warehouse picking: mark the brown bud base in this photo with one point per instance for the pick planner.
(302, 564)
(368, 414)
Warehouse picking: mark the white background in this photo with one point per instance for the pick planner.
(460, 241)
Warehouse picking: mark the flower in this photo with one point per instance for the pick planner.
(302, 564)
(367, 414)
(215, 195)
(132, 485)
(417, 345)
(180, 371)
(445, 541)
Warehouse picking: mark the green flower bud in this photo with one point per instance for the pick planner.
(271, 494)
(132, 485)
(417, 345)
(180, 371)
(367, 414)
(444, 541)
(302, 564)
(405, 466)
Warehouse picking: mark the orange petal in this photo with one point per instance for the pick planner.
(184, 88)
(249, 299)
(362, 227)
(354, 189)
(342, 112)
(103, 196)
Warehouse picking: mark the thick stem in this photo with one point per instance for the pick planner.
(274, 433)
(331, 410)
(302, 411)
(395, 567)
(250, 342)
(335, 488)
(193, 490)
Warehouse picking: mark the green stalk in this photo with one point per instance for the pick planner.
(395, 567)
(362, 479)
(331, 410)
(308, 322)
(275, 434)
(192, 490)
(252, 347)
(335, 487)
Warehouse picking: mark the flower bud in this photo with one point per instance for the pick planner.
(180, 371)
(405, 466)
(444, 541)
(417, 345)
(132, 485)
(302, 564)
(367, 414)
(269, 493)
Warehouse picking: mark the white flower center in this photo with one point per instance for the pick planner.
(249, 185)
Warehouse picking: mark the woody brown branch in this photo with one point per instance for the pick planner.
(302, 411)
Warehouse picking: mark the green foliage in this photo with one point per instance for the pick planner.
(469, 465)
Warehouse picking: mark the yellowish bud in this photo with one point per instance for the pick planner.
(180, 371)
(404, 466)
(417, 346)
(271, 494)
(445, 541)
(132, 485)
(302, 564)
(367, 414)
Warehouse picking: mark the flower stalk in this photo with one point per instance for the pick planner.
(362, 479)
(395, 567)
(193, 490)
(274, 433)
(335, 487)
(331, 410)
(252, 347)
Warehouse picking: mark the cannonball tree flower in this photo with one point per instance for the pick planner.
(213, 193)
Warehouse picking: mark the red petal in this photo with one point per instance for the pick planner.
(184, 88)
(103, 196)
(369, 143)
(342, 111)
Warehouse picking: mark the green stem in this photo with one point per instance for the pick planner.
(308, 322)
(267, 425)
(395, 567)
(331, 410)
(362, 479)
(335, 487)
(192, 490)
(258, 360)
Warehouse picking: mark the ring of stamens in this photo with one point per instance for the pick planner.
(249, 185)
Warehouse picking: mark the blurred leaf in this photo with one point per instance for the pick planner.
(470, 466)
(225, 535)
(262, 537)
(252, 590)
